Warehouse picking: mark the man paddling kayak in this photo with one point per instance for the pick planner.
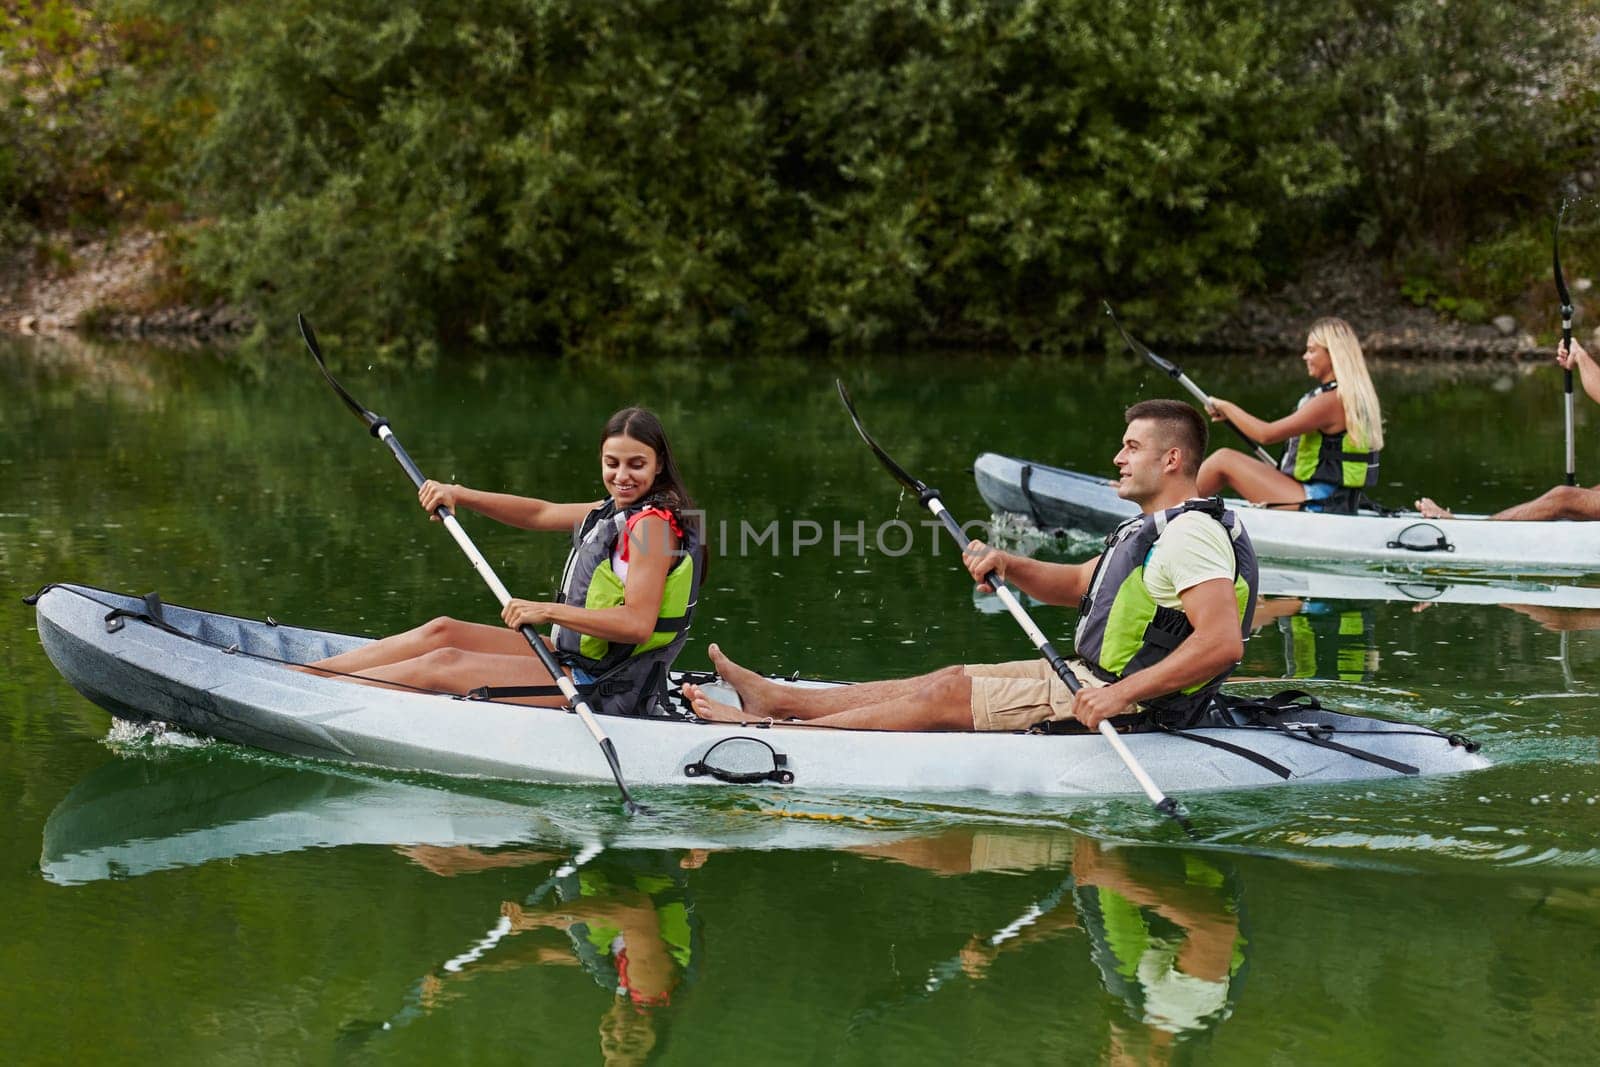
(1564, 501)
(1166, 609)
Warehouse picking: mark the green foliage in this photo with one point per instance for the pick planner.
(1444, 109)
(663, 175)
(1508, 271)
(63, 147)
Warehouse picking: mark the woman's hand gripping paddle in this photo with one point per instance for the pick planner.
(378, 426)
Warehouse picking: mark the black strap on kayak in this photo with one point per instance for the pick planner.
(1316, 734)
(1027, 495)
(605, 685)
(1265, 762)
(1366, 503)
(1271, 712)
(153, 614)
(33, 598)
(496, 692)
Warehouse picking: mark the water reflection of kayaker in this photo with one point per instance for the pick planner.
(1166, 609)
(633, 937)
(1559, 620)
(1323, 639)
(1164, 931)
(1163, 926)
(627, 593)
(629, 926)
(1334, 434)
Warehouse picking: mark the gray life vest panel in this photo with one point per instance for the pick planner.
(628, 678)
(1122, 629)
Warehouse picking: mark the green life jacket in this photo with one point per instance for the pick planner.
(588, 580)
(1122, 629)
(1319, 457)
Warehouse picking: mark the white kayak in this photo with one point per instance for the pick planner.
(225, 677)
(1055, 498)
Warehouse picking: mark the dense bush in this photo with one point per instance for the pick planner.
(665, 175)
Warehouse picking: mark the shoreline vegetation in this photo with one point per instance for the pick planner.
(846, 176)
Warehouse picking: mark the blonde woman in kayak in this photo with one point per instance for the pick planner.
(628, 590)
(1334, 434)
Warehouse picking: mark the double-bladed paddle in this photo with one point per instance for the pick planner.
(378, 426)
(929, 499)
(1566, 339)
(1166, 366)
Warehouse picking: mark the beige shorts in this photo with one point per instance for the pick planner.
(1016, 695)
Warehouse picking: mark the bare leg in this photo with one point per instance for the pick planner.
(1228, 468)
(454, 670)
(938, 701)
(434, 634)
(1562, 502)
(764, 698)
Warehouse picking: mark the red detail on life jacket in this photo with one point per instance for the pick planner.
(660, 513)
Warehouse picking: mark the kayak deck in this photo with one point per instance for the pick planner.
(226, 677)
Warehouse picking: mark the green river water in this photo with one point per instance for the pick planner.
(195, 903)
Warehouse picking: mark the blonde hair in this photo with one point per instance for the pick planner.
(1363, 418)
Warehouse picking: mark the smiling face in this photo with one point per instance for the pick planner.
(1319, 362)
(628, 468)
(1145, 462)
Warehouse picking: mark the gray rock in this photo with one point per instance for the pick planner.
(1582, 285)
(1505, 324)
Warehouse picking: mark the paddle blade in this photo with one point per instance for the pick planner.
(1561, 278)
(889, 464)
(350, 402)
(1139, 349)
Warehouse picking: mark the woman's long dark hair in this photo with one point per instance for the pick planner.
(668, 489)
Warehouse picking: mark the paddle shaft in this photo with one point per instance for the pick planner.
(1566, 339)
(1205, 399)
(383, 433)
(1166, 366)
(1163, 803)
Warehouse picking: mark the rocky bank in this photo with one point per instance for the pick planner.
(121, 286)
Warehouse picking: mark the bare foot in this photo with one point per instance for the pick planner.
(1430, 510)
(758, 695)
(714, 710)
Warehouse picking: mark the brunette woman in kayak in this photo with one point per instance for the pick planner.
(628, 589)
(1335, 434)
